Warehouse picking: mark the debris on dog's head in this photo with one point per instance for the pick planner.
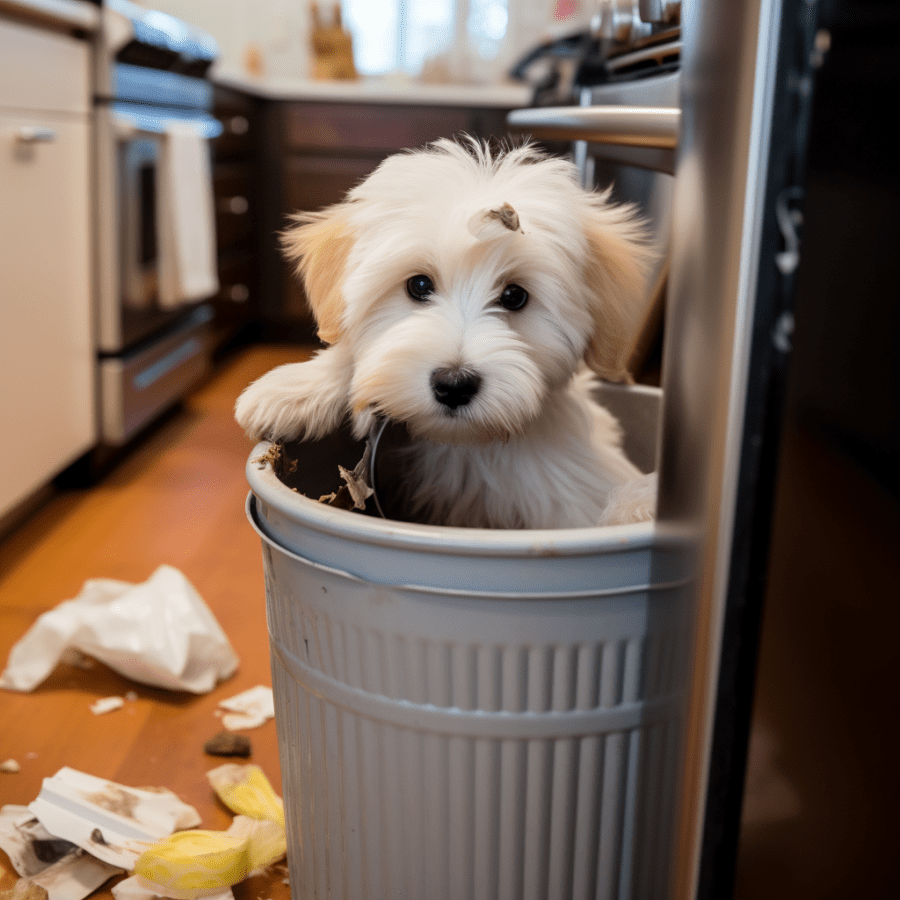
(487, 223)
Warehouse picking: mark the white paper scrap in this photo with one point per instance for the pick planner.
(58, 866)
(249, 709)
(107, 704)
(138, 888)
(75, 876)
(159, 632)
(110, 821)
(18, 839)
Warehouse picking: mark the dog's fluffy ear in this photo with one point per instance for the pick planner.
(318, 244)
(619, 258)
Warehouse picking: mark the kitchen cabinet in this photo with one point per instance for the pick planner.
(46, 350)
(236, 182)
(315, 151)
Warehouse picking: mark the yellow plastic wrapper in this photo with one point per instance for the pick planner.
(246, 791)
(190, 863)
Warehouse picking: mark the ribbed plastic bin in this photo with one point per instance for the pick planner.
(468, 714)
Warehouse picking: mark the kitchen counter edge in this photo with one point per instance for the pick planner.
(53, 13)
(378, 91)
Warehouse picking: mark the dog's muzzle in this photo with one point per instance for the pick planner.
(454, 387)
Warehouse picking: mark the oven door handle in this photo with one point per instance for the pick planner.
(644, 136)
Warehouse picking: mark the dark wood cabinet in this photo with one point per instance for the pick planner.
(314, 152)
(238, 188)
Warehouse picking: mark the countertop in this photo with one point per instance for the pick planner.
(58, 13)
(382, 90)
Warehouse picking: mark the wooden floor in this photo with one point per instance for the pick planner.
(177, 499)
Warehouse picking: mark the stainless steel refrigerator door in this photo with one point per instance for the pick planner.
(747, 76)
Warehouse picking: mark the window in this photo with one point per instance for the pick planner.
(400, 35)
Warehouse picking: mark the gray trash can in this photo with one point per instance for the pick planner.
(467, 713)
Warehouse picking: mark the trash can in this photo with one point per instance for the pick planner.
(472, 713)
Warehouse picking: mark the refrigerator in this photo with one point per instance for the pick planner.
(780, 432)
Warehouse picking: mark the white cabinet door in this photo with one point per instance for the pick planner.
(46, 350)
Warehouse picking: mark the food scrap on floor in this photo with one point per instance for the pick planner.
(227, 743)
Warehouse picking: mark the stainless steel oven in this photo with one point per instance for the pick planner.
(615, 102)
(153, 334)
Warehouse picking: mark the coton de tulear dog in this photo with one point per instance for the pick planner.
(461, 292)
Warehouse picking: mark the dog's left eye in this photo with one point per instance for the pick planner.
(420, 287)
(513, 297)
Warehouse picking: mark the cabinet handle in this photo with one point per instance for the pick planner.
(31, 135)
(237, 205)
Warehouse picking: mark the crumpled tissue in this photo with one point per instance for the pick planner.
(159, 632)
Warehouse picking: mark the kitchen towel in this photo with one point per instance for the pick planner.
(187, 229)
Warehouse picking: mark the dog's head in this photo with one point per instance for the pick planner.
(469, 285)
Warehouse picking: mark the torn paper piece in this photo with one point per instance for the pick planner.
(249, 709)
(75, 876)
(138, 888)
(245, 790)
(29, 846)
(107, 704)
(159, 632)
(110, 821)
(58, 866)
(191, 861)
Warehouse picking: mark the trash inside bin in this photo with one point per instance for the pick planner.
(468, 713)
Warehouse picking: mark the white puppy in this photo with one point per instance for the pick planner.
(460, 293)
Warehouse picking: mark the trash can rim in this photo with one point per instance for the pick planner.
(441, 538)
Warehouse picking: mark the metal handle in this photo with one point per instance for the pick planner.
(637, 135)
(660, 10)
(237, 205)
(32, 135)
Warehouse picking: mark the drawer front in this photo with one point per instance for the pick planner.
(363, 127)
(239, 117)
(234, 205)
(136, 388)
(237, 280)
(40, 70)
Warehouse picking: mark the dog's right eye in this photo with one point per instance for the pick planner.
(420, 287)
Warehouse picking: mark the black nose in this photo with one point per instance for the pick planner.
(454, 387)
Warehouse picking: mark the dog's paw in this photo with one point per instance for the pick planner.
(631, 502)
(299, 400)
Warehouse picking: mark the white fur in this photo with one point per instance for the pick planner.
(531, 449)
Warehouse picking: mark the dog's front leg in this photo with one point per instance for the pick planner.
(632, 501)
(298, 400)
